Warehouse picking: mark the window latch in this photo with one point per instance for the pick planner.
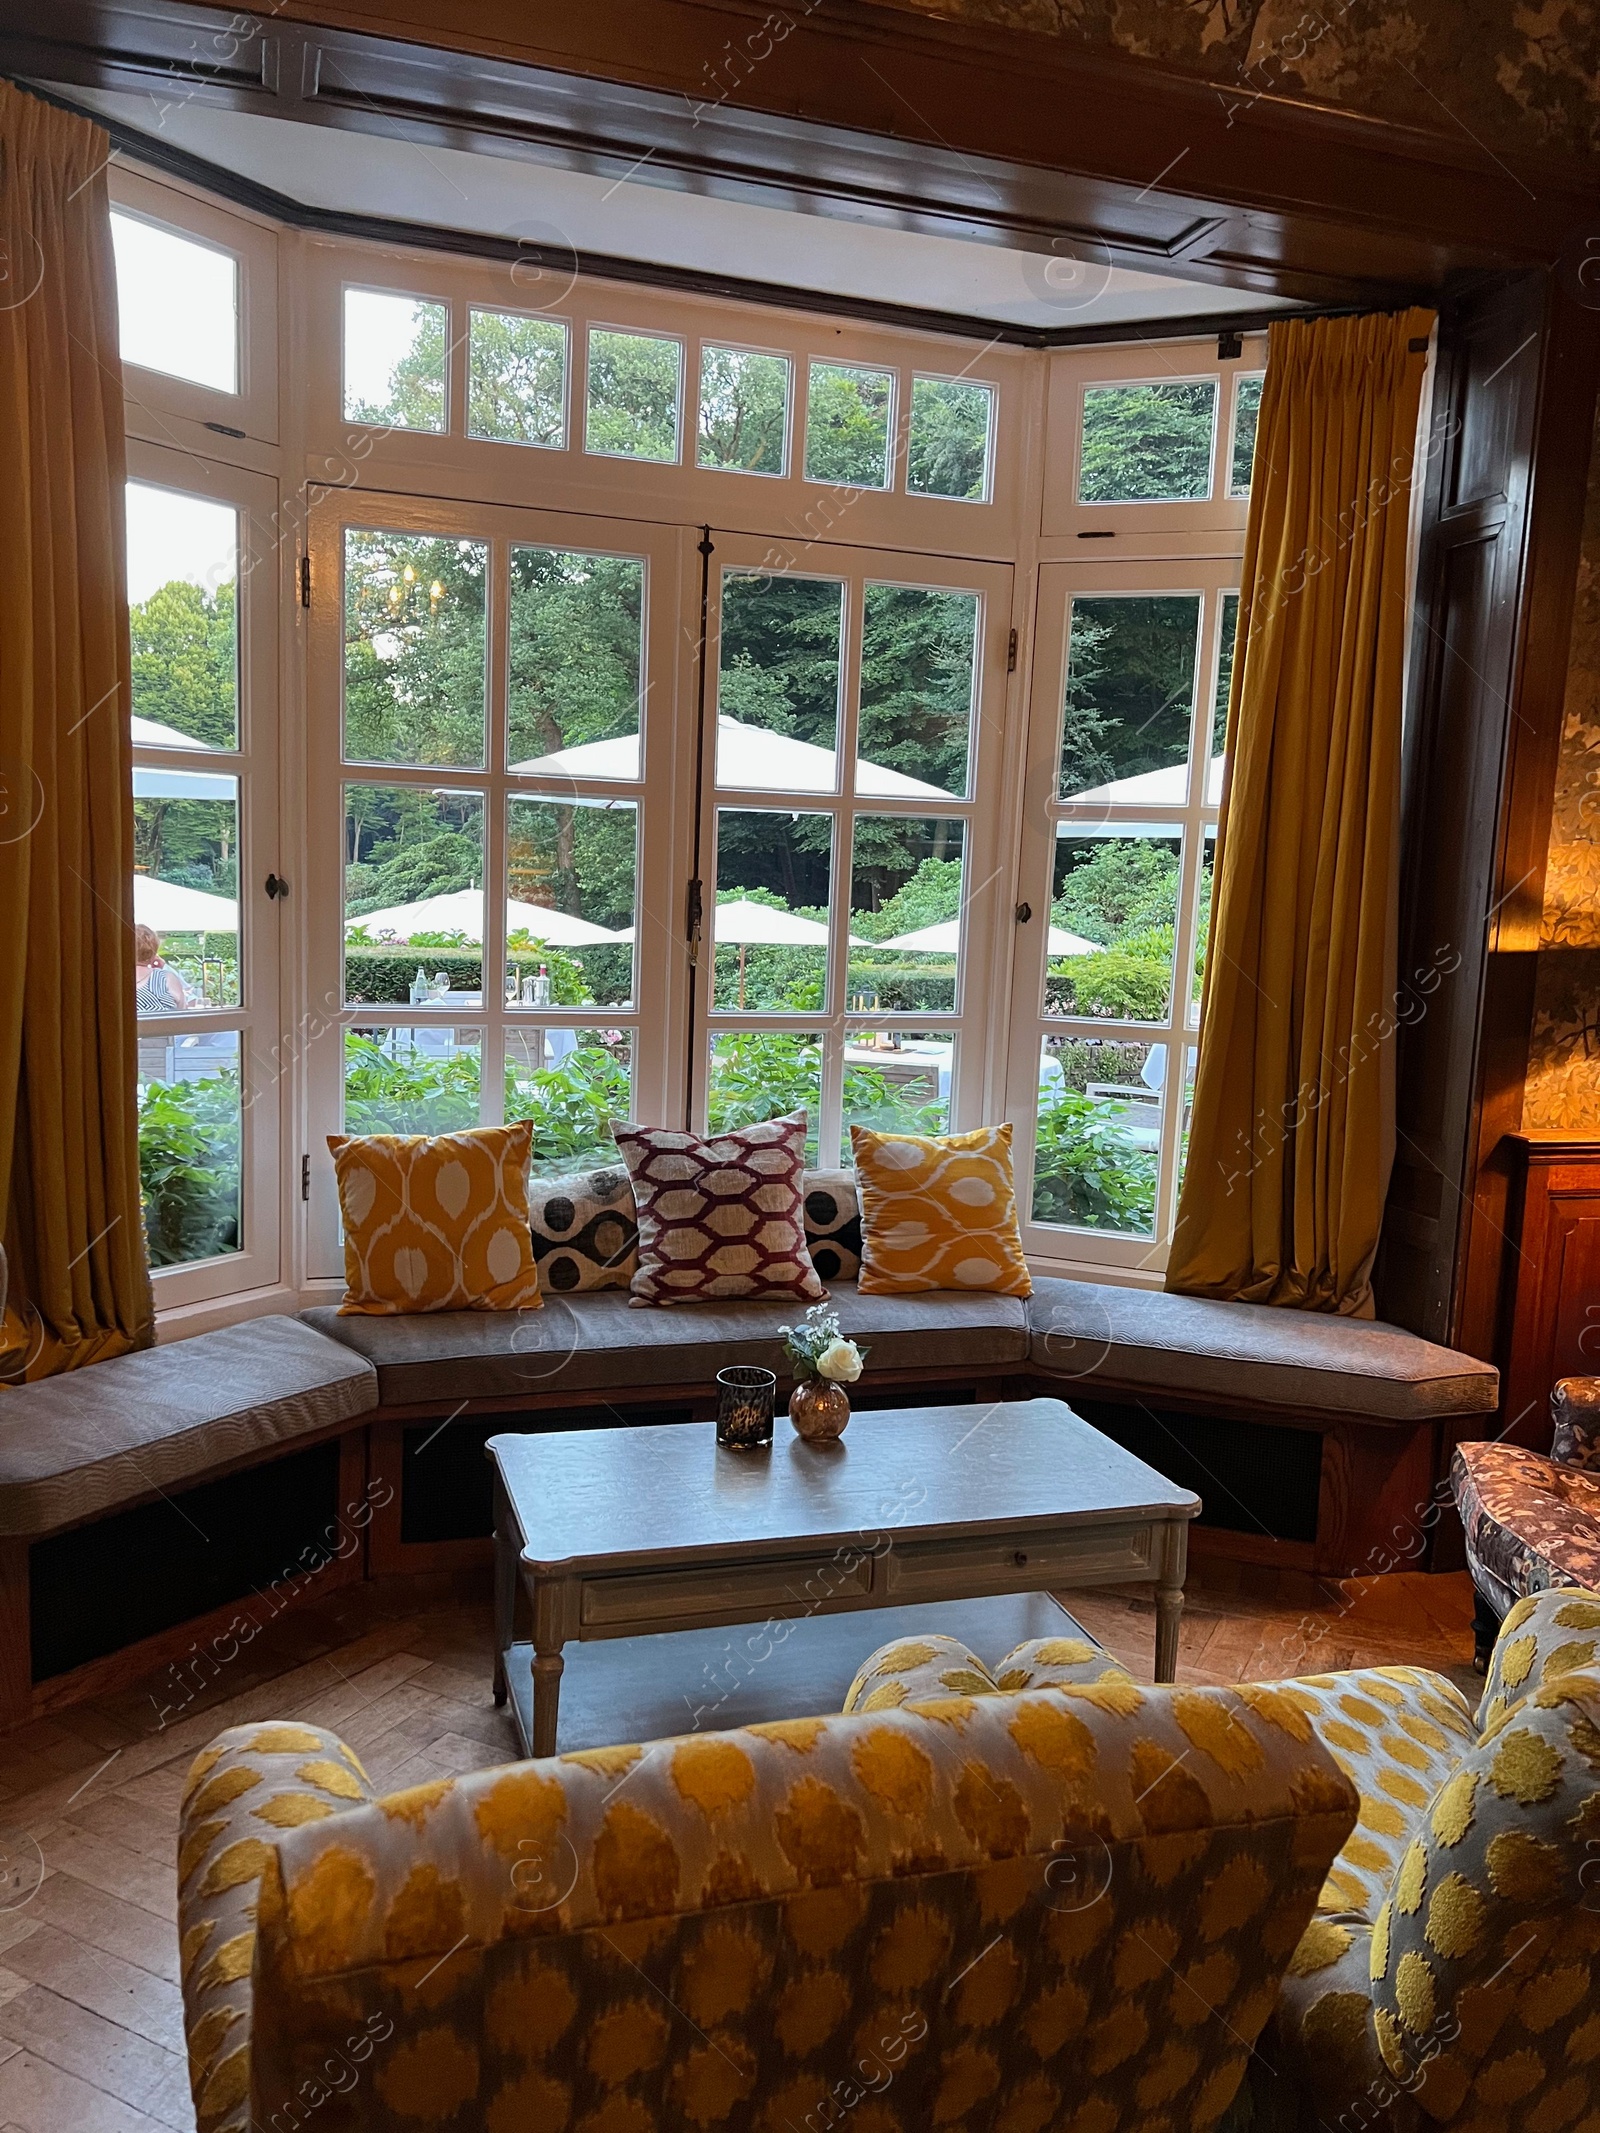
(276, 886)
(693, 919)
(305, 1177)
(1024, 913)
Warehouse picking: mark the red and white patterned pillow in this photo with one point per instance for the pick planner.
(723, 1217)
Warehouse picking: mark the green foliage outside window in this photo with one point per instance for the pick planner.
(847, 425)
(744, 410)
(517, 379)
(635, 384)
(189, 1168)
(947, 449)
(1147, 443)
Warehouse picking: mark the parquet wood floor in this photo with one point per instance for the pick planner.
(91, 2035)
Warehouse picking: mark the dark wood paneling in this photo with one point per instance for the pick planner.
(861, 112)
(1552, 1321)
(1502, 513)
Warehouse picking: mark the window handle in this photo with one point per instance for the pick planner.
(276, 886)
(1024, 913)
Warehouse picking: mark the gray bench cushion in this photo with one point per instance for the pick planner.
(597, 1342)
(77, 1446)
(1084, 1330)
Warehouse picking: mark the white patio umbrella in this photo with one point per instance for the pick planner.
(168, 907)
(944, 938)
(461, 911)
(743, 923)
(150, 733)
(1160, 788)
(749, 758)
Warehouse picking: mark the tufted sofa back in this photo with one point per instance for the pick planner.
(968, 1908)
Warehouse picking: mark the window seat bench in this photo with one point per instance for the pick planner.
(149, 1501)
(161, 1507)
(1315, 1442)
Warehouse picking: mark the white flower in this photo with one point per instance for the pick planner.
(840, 1362)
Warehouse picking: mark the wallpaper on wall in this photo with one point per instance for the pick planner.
(1510, 74)
(1563, 1092)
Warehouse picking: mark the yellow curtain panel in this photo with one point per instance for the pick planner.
(1293, 1124)
(79, 1287)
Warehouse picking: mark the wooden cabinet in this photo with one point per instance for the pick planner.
(1550, 1326)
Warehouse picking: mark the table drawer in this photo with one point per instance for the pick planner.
(732, 1592)
(957, 1569)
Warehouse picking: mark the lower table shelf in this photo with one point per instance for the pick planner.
(707, 1680)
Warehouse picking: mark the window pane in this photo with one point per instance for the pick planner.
(760, 1074)
(1202, 919)
(1147, 444)
(185, 890)
(770, 924)
(183, 576)
(577, 654)
(635, 385)
(1130, 698)
(905, 915)
(919, 656)
(779, 665)
(570, 874)
(413, 895)
(1113, 916)
(189, 1121)
(414, 649)
(572, 1083)
(411, 1080)
(744, 410)
(1191, 1065)
(896, 1081)
(1246, 408)
(517, 378)
(1098, 1142)
(1227, 629)
(177, 304)
(848, 415)
(948, 450)
(394, 360)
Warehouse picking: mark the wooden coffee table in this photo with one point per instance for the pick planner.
(628, 1533)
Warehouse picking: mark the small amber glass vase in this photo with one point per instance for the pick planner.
(745, 1396)
(819, 1411)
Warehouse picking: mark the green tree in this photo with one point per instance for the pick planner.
(847, 425)
(1147, 443)
(185, 661)
(948, 446)
(1110, 887)
(1130, 687)
(634, 390)
(516, 378)
(744, 409)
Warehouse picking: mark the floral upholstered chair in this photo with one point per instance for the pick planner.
(1449, 1977)
(1068, 1906)
(1532, 1523)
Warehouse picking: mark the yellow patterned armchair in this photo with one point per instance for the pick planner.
(1066, 1907)
(1447, 1978)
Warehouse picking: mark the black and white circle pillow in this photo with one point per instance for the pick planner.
(833, 1223)
(585, 1231)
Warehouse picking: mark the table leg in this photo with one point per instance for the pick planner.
(505, 1595)
(1169, 1613)
(547, 1671)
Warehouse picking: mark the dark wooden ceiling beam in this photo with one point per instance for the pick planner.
(864, 112)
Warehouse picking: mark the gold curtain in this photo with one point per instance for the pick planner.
(1293, 1125)
(69, 1165)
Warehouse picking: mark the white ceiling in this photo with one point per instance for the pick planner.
(633, 218)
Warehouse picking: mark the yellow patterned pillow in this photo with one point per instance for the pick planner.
(436, 1221)
(938, 1211)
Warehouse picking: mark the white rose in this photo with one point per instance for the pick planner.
(840, 1362)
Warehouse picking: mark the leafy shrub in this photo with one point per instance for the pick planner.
(189, 1168)
(1089, 1171)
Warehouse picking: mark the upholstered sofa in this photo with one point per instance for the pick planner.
(1035, 1896)
(1532, 1522)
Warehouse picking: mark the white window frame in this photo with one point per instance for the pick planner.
(257, 1019)
(658, 792)
(984, 869)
